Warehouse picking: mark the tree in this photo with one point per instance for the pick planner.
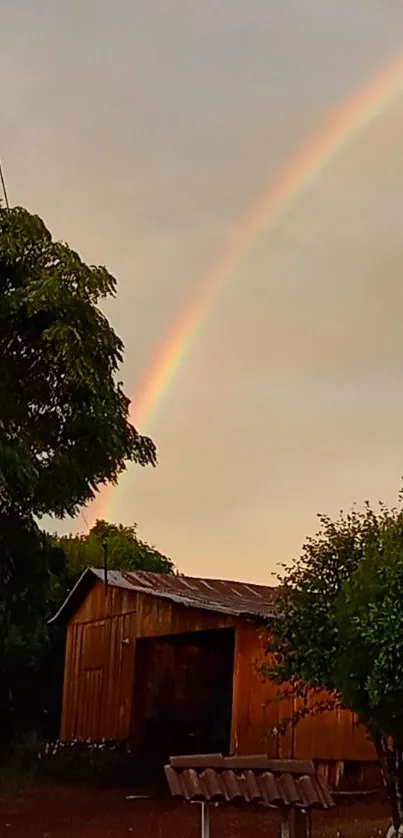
(339, 626)
(64, 419)
(125, 551)
(30, 568)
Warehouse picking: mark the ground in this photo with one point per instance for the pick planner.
(65, 812)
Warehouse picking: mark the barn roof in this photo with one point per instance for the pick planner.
(221, 596)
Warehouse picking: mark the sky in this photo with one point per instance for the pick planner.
(142, 132)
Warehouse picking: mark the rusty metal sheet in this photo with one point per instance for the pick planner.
(215, 594)
(220, 596)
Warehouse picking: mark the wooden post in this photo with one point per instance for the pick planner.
(301, 824)
(285, 824)
(294, 824)
(205, 821)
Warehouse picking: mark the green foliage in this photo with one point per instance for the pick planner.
(339, 626)
(32, 565)
(64, 426)
(26, 748)
(336, 613)
(20, 771)
(369, 614)
(125, 551)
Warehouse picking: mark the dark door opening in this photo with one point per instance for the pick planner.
(183, 694)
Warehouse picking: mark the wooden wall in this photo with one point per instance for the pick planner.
(331, 736)
(254, 712)
(99, 679)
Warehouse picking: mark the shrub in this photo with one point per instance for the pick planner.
(103, 763)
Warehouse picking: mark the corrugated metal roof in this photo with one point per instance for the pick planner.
(289, 783)
(223, 597)
(235, 598)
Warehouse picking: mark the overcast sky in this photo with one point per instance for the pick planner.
(141, 131)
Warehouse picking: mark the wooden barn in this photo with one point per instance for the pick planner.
(169, 663)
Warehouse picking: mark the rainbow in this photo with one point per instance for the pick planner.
(344, 123)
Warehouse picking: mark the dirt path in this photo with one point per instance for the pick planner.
(66, 812)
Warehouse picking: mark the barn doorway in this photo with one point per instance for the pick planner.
(183, 694)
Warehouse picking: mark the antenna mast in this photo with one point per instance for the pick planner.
(3, 186)
(105, 549)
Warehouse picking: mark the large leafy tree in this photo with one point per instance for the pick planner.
(339, 626)
(64, 418)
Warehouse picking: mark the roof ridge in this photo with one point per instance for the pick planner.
(209, 579)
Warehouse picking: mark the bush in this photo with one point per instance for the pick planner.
(106, 763)
(19, 768)
(25, 749)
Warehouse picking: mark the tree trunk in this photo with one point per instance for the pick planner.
(396, 769)
(391, 764)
